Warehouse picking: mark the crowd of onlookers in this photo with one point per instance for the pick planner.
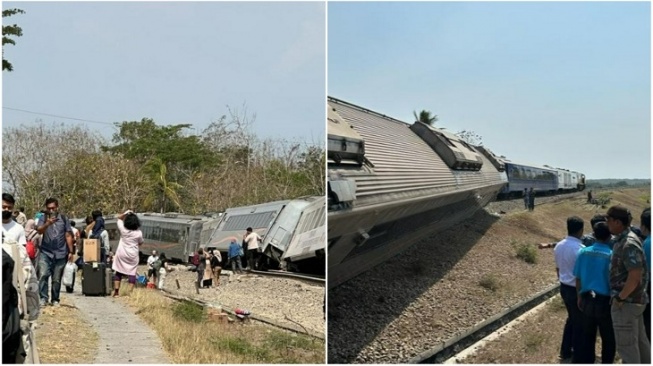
(605, 285)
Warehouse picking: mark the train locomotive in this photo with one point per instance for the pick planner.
(391, 183)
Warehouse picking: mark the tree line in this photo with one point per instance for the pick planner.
(156, 168)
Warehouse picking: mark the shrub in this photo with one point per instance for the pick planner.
(489, 282)
(188, 311)
(527, 253)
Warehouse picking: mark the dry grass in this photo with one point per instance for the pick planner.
(490, 282)
(537, 339)
(61, 330)
(188, 337)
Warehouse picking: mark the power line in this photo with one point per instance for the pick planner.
(56, 116)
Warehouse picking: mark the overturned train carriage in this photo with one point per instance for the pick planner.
(391, 183)
(283, 226)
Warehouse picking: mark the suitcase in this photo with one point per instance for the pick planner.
(108, 281)
(94, 279)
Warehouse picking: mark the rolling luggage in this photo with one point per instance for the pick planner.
(108, 281)
(94, 279)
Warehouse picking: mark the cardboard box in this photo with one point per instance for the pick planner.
(91, 250)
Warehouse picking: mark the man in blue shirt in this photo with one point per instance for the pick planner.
(645, 226)
(592, 272)
(56, 248)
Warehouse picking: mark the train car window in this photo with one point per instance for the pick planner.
(242, 222)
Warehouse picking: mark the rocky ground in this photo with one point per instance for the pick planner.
(450, 281)
(272, 297)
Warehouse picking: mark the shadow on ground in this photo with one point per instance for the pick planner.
(390, 296)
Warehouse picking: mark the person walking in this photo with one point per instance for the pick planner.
(531, 200)
(251, 239)
(21, 219)
(201, 267)
(526, 199)
(125, 262)
(628, 281)
(235, 254)
(566, 253)
(151, 272)
(13, 235)
(592, 272)
(56, 250)
(216, 266)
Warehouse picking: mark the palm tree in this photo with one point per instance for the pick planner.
(162, 189)
(426, 117)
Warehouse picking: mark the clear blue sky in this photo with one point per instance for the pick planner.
(563, 84)
(174, 62)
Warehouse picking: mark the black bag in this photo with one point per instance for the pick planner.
(94, 280)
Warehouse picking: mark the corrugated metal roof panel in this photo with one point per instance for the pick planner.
(403, 162)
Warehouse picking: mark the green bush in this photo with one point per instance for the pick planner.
(490, 282)
(527, 253)
(189, 311)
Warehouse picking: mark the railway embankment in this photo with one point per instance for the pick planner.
(450, 282)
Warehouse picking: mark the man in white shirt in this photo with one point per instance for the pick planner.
(566, 253)
(14, 235)
(21, 219)
(150, 270)
(251, 239)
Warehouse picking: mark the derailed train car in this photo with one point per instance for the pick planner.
(176, 235)
(391, 183)
(278, 224)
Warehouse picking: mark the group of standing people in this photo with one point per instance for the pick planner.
(605, 285)
(529, 199)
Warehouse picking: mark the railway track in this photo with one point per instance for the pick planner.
(297, 276)
(449, 349)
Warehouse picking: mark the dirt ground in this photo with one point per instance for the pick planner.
(63, 337)
(452, 281)
(537, 340)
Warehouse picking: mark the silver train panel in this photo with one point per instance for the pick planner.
(236, 220)
(406, 192)
(310, 234)
(281, 232)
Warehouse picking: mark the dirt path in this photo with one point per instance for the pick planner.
(123, 336)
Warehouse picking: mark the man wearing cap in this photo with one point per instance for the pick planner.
(628, 278)
(566, 253)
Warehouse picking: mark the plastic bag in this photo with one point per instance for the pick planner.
(69, 274)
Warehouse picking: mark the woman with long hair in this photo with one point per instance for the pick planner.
(125, 261)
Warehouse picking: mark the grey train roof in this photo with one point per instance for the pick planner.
(404, 165)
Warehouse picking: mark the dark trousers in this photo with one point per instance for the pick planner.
(572, 334)
(50, 267)
(647, 314)
(596, 315)
(251, 257)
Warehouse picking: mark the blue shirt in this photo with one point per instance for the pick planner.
(234, 250)
(593, 269)
(53, 243)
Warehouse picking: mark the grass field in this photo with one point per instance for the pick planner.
(189, 337)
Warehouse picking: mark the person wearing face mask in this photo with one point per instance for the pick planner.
(13, 234)
(56, 250)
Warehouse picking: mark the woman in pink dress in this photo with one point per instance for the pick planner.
(125, 261)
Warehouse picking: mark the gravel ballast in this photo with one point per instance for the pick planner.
(445, 284)
(271, 297)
